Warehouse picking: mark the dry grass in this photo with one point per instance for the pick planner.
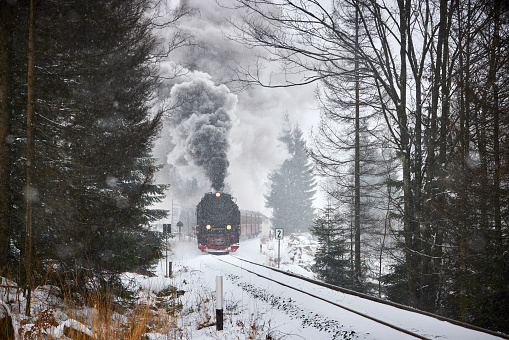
(99, 315)
(101, 318)
(104, 319)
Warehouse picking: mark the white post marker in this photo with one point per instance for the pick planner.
(219, 303)
(279, 237)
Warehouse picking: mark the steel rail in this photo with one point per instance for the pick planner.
(375, 299)
(399, 329)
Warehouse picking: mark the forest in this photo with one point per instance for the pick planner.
(76, 135)
(413, 141)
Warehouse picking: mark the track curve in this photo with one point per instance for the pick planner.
(408, 331)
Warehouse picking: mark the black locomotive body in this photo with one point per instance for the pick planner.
(218, 223)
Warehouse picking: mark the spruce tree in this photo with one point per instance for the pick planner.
(292, 186)
(332, 258)
(92, 169)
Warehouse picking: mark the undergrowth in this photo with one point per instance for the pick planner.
(141, 314)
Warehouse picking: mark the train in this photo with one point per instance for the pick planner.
(220, 224)
(250, 223)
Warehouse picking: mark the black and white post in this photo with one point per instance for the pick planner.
(166, 233)
(279, 237)
(219, 303)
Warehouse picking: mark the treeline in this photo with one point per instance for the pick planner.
(424, 83)
(76, 132)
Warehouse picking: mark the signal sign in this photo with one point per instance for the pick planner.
(279, 234)
(167, 228)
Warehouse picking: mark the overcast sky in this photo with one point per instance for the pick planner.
(256, 118)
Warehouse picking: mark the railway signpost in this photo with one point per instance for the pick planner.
(219, 303)
(279, 233)
(180, 225)
(279, 237)
(166, 232)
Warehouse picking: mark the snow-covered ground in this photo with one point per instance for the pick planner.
(254, 308)
(246, 316)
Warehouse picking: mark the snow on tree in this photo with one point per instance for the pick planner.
(292, 186)
(332, 258)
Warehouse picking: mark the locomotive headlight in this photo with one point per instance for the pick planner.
(218, 194)
(228, 227)
(208, 226)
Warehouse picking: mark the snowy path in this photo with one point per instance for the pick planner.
(318, 319)
(424, 326)
(272, 309)
(248, 300)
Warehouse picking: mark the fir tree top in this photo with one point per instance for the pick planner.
(292, 185)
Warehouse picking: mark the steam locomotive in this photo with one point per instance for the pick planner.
(220, 223)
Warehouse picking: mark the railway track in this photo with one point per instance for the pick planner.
(410, 332)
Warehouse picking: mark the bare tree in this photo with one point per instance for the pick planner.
(308, 37)
(438, 71)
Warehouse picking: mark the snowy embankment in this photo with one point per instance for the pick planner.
(181, 306)
(281, 313)
(257, 308)
(254, 308)
(247, 315)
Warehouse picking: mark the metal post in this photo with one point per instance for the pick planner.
(171, 219)
(219, 303)
(166, 251)
(180, 224)
(278, 252)
(279, 237)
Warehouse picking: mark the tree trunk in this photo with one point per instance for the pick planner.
(5, 117)
(409, 216)
(465, 149)
(492, 83)
(30, 152)
(442, 78)
(357, 170)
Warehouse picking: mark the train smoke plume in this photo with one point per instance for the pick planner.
(202, 121)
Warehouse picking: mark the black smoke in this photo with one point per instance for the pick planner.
(202, 121)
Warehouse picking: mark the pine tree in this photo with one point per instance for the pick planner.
(292, 186)
(92, 169)
(332, 258)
